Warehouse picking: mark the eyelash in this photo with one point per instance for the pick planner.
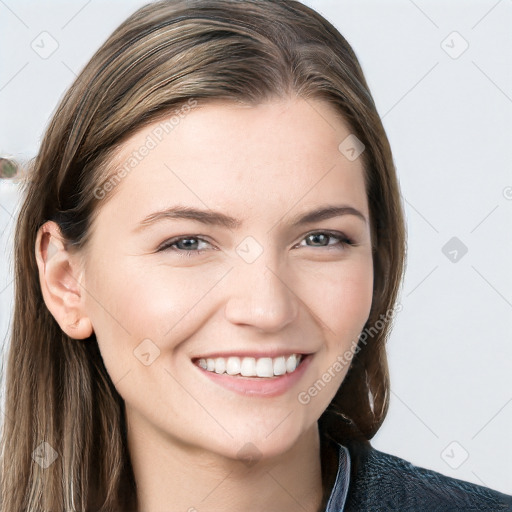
(344, 242)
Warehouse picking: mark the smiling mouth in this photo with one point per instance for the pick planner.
(263, 367)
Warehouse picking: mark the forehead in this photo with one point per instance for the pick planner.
(277, 153)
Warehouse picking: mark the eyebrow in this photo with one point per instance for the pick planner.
(215, 218)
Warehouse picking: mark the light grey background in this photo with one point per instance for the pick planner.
(448, 113)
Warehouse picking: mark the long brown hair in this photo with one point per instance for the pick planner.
(57, 389)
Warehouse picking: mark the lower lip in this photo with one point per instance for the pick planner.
(260, 386)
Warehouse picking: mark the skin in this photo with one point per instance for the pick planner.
(262, 165)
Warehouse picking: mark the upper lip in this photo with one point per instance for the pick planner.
(256, 355)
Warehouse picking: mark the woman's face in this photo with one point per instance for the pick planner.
(262, 285)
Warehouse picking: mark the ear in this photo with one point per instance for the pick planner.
(61, 276)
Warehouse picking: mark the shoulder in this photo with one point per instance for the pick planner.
(381, 481)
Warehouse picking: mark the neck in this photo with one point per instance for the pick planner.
(174, 477)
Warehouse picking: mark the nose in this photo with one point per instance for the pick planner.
(261, 297)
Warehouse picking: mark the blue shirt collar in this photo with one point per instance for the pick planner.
(339, 491)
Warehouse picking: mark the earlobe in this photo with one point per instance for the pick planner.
(60, 277)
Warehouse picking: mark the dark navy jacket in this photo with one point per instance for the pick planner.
(368, 480)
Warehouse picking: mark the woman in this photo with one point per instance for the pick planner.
(148, 374)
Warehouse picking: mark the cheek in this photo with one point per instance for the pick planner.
(131, 304)
(342, 300)
(164, 303)
(342, 297)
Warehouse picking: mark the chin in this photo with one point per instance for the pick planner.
(251, 444)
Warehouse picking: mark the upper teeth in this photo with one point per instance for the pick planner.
(250, 366)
